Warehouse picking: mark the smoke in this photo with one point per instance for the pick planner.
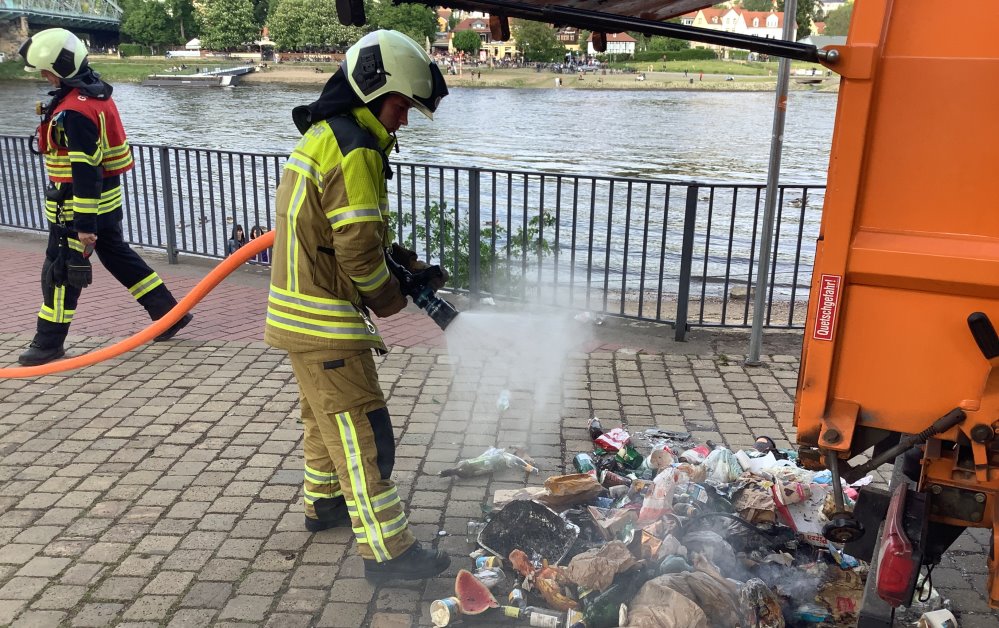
(523, 352)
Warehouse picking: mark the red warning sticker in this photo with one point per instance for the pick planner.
(825, 317)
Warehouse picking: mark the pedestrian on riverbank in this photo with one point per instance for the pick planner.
(86, 151)
(236, 241)
(264, 256)
(331, 240)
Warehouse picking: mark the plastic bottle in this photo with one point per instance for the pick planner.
(584, 463)
(490, 461)
(516, 598)
(513, 461)
(595, 428)
(503, 401)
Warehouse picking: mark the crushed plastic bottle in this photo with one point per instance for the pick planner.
(490, 461)
(589, 317)
(503, 401)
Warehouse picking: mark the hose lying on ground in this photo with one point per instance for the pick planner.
(206, 285)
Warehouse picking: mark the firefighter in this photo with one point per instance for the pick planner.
(328, 271)
(83, 142)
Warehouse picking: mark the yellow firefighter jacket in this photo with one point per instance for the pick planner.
(331, 234)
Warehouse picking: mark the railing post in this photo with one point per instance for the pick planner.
(474, 231)
(168, 222)
(686, 261)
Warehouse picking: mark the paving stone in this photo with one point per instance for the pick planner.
(150, 608)
(191, 618)
(342, 615)
(247, 608)
(169, 583)
(97, 615)
(39, 619)
(60, 596)
(208, 595)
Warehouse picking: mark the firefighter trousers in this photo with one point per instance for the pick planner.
(350, 448)
(59, 301)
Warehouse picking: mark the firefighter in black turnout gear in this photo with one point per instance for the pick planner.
(86, 152)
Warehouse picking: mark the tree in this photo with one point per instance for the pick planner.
(666, 44)
(261, 9)
(416, 20)
(467, 42)
(838, 21)
(227, 24)
(804, 13)
(537, 41)
(147, 22)
(310, 25)
(183, 12)
(758, 5)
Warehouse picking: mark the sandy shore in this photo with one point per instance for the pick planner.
(528, 78)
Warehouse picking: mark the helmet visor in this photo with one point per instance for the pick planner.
(438, 90)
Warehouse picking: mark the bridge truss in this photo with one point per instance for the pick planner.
(88, 14)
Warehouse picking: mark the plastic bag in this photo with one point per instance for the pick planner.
(659, 502)
(722, 466)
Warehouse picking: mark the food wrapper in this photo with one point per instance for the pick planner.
(613, 440)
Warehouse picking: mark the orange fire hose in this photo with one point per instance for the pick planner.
(206, 285)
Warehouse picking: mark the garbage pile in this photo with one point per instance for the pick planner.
(653, 531)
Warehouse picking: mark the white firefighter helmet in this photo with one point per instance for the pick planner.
(56, 50)
(388, 62)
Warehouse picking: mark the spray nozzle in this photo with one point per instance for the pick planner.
(419, 286)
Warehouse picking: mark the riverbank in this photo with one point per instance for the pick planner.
(528, 78)
(719, 76)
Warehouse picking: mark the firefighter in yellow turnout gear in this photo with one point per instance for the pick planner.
(328, 271)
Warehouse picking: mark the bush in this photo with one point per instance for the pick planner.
(496, 274)
(690, 54)
(133, 50)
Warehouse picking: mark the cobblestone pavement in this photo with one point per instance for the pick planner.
(162, 488)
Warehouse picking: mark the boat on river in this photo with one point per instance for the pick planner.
(212, 78)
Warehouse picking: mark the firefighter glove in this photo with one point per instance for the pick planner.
(411, 262)
(79, 272)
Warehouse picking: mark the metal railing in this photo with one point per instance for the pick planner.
(677, 252)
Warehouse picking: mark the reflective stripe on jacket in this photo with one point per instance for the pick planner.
(328, 262)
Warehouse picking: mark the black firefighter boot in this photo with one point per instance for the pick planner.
(416, 563)
(331, 512)
(158, 303)
(38, 354)
(47, 345)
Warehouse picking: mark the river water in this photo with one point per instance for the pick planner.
(651, 135)
(642, 133)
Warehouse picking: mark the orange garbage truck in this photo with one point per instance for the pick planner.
(899, 345)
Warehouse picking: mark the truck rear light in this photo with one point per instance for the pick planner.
(897, 565)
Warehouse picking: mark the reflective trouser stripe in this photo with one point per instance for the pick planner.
(58, 312)
(145, 285)
(355, 467)
(320, 485)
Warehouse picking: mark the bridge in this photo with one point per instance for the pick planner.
(89, 15)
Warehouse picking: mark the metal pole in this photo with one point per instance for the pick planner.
(686, 261)
(773, 174)
(474, 231)
(168, 221)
